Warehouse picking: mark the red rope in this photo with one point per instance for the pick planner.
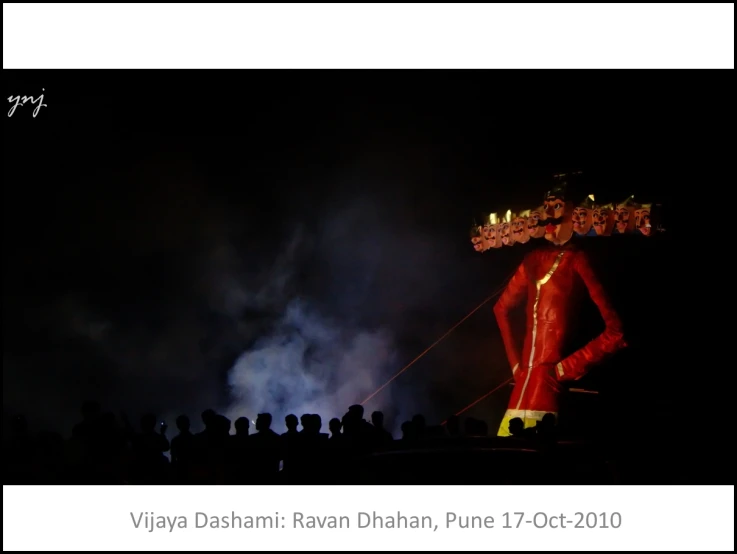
(472, 404)
(448, 332)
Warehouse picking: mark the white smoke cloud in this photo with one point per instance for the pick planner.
(309, 364)
(216, 303)
(312, 360)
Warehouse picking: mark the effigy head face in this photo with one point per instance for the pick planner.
(520, 233)
(495, 239)
(583, 216)
(506, 234)
(480, 244)
(485, 237)
(490, 231)
(505, 229)
(603, 220)
(558, 213)
(582, 220)
(642, 220)
(624, 216)
(535, 223)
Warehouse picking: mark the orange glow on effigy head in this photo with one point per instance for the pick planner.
(520, 232)
(643, 221)
(489, 228)
(559, 219)
(505, 230)
(558, 215)
(624, 216)
(583, 216)
(603, 220)
(480, 244)
(535, 223)
(491, 231)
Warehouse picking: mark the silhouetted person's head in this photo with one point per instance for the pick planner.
(90, 410)
(454, 426)
(148, 423)
(222, 424)
(208, 418)
(408, 430)
(516, 426)
(418, 422)
(377, 418)
(308, 423)
(350, 423)
(335, 426)
(183, 424)
(241, 426)
(291, 422)
(356, 410)
(315, 423)
(548, 421)
(263, 422)
(546, 426)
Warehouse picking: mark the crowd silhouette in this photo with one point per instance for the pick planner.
(105, 449)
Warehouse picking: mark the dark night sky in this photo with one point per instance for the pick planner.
(158, 224)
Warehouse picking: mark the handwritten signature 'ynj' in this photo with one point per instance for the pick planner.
(22, 100)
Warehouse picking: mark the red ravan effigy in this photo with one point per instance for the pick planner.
(547, 283)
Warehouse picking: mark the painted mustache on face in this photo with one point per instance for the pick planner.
(555, 221)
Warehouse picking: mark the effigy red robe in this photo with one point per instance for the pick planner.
(548, 279)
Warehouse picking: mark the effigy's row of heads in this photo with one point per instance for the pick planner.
(559, 219)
